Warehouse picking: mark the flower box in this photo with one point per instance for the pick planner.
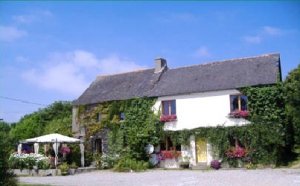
(167, 118)
(239, 114)
(169, 154)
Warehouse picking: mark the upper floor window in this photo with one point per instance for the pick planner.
(238, 102)
(169, 107)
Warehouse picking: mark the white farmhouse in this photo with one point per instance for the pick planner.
(189, 97)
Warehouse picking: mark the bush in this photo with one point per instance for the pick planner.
(108, 161)
(215, 164)
(43, 164)
(128, 164)
(64, 168)
(7, 178)
(27, 161)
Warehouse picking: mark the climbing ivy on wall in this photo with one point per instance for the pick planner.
(138, 129)
(266, 137)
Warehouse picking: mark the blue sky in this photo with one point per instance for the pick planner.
(52, 51)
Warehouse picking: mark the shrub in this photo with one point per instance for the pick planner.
(128, 164)
(108, 161)
(64, 168)
(73, 165)
(21, 161)
(43, 164)
(215, 164)
(7, 178)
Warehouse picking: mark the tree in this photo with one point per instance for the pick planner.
(292, 92)
(7, 178)
(54, 118)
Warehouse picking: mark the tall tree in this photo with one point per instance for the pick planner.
(7, 178)
(292, 92)
(54, 118)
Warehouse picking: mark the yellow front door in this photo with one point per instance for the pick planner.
(201, 150)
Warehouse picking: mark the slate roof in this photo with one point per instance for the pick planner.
(222, 75)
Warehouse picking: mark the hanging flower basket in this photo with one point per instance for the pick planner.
(167, 118)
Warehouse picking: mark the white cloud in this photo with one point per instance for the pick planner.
(252, 39)
(33, 17)
(72, 72)
(24, 19)
(202, 52)
(263, 34)
(9, 33)
(272, 31)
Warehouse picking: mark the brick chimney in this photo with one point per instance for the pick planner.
(160, 65)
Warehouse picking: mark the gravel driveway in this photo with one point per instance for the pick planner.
(267, 177)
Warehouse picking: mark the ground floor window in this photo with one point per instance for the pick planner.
(167, 144)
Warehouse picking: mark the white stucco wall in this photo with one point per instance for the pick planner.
(208, 109)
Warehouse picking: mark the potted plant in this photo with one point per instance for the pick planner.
(215, 164)
(73, 168)
(185, 162)
(64, 168)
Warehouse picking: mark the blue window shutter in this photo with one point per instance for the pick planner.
(165, 107)
(173, 107)
(244, 101)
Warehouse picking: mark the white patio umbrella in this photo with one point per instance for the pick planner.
(52, 138)
(56, 139)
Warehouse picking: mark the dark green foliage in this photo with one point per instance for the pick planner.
(266, 104)
(126, 138)
(292, 92)
(54, 118)
(75, 155)
(127, 164)
(140, 127)
(7, 178)
(265, 138)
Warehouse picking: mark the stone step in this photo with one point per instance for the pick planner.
(200, 166)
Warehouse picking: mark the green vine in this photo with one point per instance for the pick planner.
(265, 136)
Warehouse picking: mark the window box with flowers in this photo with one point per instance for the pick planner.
(168, 118)
(236, 155)
(170, 154)
(169, 159)
(239, 114)
(238, 106)
(168, 111)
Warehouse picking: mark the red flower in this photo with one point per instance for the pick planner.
(166, 118)
(239, 114)
(236, 152)
(66, 150)
(170, 154)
